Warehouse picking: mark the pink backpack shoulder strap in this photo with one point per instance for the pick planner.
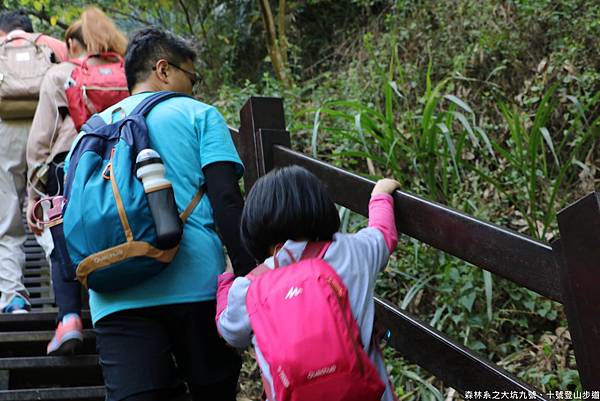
(116, 58)
(315, 250)
(257, 272)
(74, 61)
(311, 251)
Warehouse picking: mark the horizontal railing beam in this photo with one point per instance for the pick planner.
(457, 366)
(516, 257)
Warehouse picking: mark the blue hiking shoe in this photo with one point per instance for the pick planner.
(17, 305)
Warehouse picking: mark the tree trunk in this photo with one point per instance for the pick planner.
(283, 44)
(272, 43)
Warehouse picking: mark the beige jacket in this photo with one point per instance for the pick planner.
(50, 134)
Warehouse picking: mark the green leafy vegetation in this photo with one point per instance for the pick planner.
(490, 107)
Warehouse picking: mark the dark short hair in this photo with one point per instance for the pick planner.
(11, 20)
(149, 45)
(287, 203)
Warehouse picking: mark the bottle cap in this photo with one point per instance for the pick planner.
(147, 156)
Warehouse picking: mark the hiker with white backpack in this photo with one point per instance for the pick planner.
(24, 59)
(308, 309)
(92, 79)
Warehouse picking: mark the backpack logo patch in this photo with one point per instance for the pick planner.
(321, 372)
(23, 56)
(293, 292)
(283, 377)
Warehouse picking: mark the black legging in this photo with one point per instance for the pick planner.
(67, 292)
(222, 391)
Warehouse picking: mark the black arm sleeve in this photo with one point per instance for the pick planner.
(226, 199)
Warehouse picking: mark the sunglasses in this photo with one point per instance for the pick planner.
(193, 76)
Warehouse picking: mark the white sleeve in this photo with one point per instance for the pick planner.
(234, 322)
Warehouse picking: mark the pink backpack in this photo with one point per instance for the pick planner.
(305, 329)
(95, 87)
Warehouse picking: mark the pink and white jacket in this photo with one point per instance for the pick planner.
(357, 258)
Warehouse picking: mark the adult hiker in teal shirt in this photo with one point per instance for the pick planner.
(140, 329)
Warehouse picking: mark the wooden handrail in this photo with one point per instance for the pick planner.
(567, 271)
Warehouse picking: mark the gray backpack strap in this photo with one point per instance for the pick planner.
(32, 40)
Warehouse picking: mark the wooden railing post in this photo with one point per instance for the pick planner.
(578, 253)
(262, 124)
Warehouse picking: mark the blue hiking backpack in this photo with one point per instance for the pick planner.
(108, 226)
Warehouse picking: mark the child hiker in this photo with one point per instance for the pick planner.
(308, 310)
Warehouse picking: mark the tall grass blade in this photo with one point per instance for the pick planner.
(465, 123)
(488, 287)
(315, 133)
(486, 140)
(414, 290)
(413, 376)
(451, 148)
(460, 103)
(394, 87)
(548, 140)
(437, 315)
(344, 214)
(578, 107)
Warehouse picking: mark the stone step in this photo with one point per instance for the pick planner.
(31, 245)
(36, 280)
(35, 321)
(36, 264)
(48, 362)
(34, 254)
(36, 272)
(93, 393)
(50, 371)
(41, 301)
(33, 343)
(38, 290)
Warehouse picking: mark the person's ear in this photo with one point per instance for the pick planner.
(75, 48)
(161, 69)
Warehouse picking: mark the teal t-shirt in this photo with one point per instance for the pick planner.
(188, 135)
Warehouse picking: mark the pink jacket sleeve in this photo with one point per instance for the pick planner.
(224, 282)
(58, 47)
(381, 216)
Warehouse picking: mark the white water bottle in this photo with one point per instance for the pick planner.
(159, 193)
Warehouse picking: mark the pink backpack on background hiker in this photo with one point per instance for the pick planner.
(95, 87)
(305, 329)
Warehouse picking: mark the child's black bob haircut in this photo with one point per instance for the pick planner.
(287, 203)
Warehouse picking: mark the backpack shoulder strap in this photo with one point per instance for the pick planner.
(33, 39)
(76, 62)
(192, 205)
(315, 250)
(36, 37)
(257, 272)
(148, 103)
(95, 122)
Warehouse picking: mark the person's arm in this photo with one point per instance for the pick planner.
(377, 242)
(46, 124)
(59, 48)
(232, 319)
(226, 200)
(381, 211)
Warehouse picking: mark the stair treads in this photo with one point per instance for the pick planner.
(55, 394)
